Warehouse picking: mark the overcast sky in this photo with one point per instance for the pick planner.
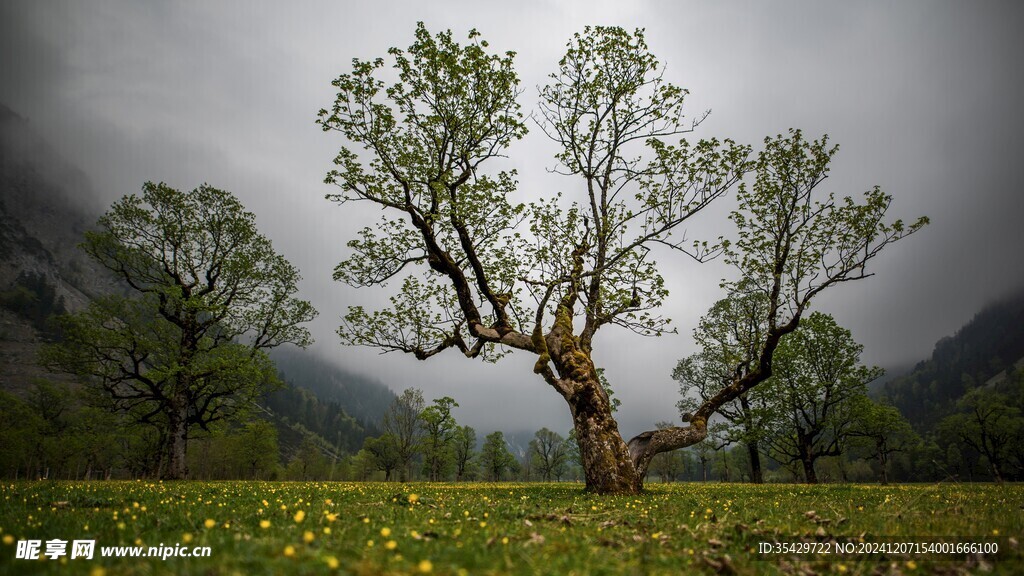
(923, 97)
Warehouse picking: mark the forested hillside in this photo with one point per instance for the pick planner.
(985, 348)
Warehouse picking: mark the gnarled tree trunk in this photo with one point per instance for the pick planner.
(607, 465)
(176, 446)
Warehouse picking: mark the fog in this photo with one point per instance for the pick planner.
(923, 98)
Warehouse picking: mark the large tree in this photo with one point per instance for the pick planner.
(482, 273)
(207, 295)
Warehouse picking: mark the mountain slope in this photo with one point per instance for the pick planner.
(979, 352)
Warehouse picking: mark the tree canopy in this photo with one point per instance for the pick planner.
(483, 273)
(206, 295)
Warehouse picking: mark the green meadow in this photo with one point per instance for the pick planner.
(514, 528)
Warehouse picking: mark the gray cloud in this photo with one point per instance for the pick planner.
(923, 98)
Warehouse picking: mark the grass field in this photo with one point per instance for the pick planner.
(352, 528)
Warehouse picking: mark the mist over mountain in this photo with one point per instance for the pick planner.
(359, 395)
(45, 207)
(982, 352)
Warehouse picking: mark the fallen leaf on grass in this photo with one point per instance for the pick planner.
(534, 539)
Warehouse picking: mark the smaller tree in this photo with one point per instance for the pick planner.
(884, 431)
(495, 459)
(439, 432)
(464, 450)
(362, 465)
(403, 424)
(730, 336)
(988, 423)
(548, 454)
(385, 452)
(258, 450)
(817, 387)
(309, 462)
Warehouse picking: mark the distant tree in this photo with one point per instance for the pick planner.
(730, 337)
(257, 448)
(439, 434)
(548, 454)
(495, 459)
(464, 449)
(817, 388)
(385, 452)
(362, 465)
(309, 462)
(989, 423)
(481, 274)
(403, 424)
(210, 296)
(883, 429)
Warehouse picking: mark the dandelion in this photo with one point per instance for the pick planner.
(264, 524)
(327, 529)
(385, 532)
(332, 562)
(483, 524)
(911, 565)
(369, 543)
(413, 498)
(391, 545)
(504, 540)
(186, 537)
(300, 516)
(308, 536)
(426, 566)
(8, 539)
(289, 550)
(210, 523)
